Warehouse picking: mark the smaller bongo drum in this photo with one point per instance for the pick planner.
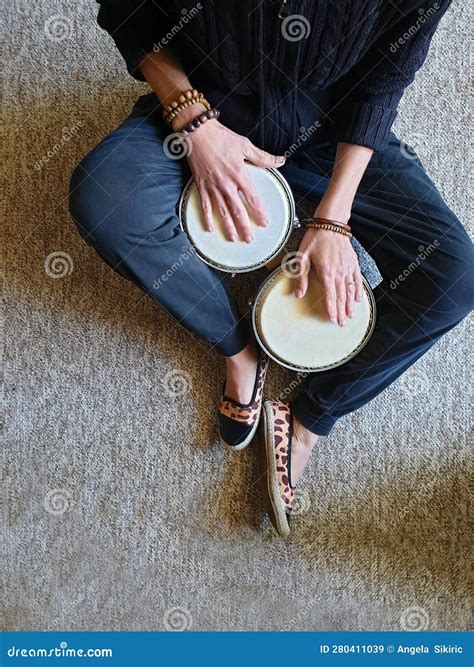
(297, 333)
(239, 257)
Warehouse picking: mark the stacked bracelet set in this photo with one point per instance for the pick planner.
(186, 99)
(329, 225)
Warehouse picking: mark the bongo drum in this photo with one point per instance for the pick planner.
(297, 333)
(239, 257)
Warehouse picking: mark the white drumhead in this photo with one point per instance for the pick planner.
(297, 332)
(239, 256)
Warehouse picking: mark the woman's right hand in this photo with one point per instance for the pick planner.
(217, 159)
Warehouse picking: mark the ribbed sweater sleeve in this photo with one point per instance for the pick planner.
(135, 26)
(377, 83)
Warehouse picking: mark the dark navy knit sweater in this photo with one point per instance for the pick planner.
(344, 63)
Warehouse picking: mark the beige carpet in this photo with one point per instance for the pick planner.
(122, 510)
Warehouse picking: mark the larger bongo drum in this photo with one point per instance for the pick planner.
(239, 257)
(298, 334)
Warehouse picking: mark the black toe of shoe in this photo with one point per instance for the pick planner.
(233, 433)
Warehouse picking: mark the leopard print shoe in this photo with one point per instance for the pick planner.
(238, 422)
(276, 463)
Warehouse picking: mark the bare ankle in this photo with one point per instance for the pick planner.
(240, 374)
(306, 439)
(244, 357)
(302, 444)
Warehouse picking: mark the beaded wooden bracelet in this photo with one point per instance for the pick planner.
(344, 225)
(185, 100)
(329, 225)
(209, 114)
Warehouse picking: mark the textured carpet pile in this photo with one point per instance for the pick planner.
(121, 509)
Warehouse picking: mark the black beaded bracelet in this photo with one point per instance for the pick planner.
(200, 120)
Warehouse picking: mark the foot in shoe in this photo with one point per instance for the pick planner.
(238, 421)
(287, 446)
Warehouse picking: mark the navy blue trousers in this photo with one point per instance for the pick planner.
(123, 199)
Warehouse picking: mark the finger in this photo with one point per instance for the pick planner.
(341, 301)
(303, 266)
(224, 214)
(350, 291)
(239, 215)
(330, 299)
(262, 158)
(206, 209)
(254, 202)
(358, 285)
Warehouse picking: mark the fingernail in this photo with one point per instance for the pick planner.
(333, 320)
(350, 314)
(342, 322)
(249, 239)
(233, 238)
(281, 160)
(299, 293)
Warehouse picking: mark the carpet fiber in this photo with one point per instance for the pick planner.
(122, 510)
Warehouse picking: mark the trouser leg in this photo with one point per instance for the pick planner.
(426, 260)
(123, 199)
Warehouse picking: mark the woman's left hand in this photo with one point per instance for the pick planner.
(337, 268)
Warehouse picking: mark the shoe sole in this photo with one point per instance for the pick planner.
(246, 442)
(270, 486)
